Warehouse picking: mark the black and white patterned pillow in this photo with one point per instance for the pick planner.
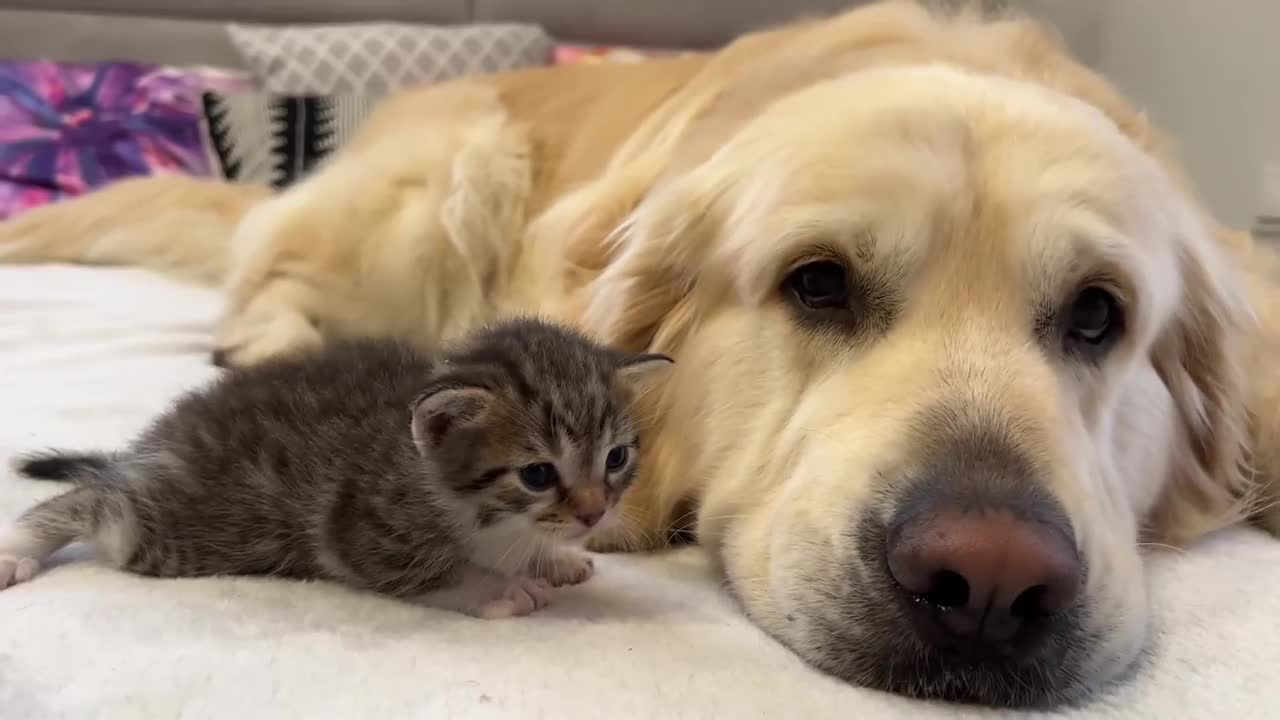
(378, 58)
(275, 139)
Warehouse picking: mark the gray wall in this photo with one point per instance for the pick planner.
(1209, 73)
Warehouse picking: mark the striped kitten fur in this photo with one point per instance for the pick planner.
(463, 482)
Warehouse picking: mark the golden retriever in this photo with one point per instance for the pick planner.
(953, 337)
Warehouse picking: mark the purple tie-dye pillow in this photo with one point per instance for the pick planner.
(66, 128)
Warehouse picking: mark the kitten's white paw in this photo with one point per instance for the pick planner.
(568, 568)
(523, 596)
(15, 569)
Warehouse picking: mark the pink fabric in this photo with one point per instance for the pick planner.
(569, 54)
(67, 128)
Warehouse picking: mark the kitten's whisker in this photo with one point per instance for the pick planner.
(630, 521)
(639, 539)
(686, 517)
(530, 558)
(714, 518)
(530, 550)
(626, 538)
(636, 527)
(1162, 546)
(510, 547)
(540, 546)
(646, 539)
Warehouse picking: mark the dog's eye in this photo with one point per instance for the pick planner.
(820, 285)
(1094, 318)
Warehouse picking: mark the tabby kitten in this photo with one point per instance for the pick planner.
(464, 483)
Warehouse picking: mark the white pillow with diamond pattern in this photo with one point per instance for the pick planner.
(374, 59)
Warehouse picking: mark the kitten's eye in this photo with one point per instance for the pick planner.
(821, 285)
(1094, 318)
(617, 458)
(539, 476)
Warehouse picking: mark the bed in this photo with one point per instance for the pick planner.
(88, 355)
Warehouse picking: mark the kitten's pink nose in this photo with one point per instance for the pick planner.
(589, 518)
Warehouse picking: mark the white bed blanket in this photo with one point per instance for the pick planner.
(88, 355)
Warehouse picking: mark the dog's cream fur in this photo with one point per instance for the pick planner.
(972, 165)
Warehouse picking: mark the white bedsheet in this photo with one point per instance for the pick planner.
(88, 355)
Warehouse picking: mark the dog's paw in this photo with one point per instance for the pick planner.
(568, 568)
(15, 569)
(522, 596)
(243, 340)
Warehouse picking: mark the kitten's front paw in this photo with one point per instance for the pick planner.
(522, 596)
(15, 569)
(568, 568)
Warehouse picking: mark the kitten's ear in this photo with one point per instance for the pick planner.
(643, 368)
(438, 412)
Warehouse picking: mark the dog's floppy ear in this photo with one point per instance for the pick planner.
(639, 300)
(1200, 360)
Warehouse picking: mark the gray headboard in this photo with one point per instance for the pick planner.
(174, 31)
(189, 31)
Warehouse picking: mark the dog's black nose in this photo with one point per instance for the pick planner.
(982, 580)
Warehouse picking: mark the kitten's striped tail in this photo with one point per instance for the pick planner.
(63, 465)
(88, 511)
